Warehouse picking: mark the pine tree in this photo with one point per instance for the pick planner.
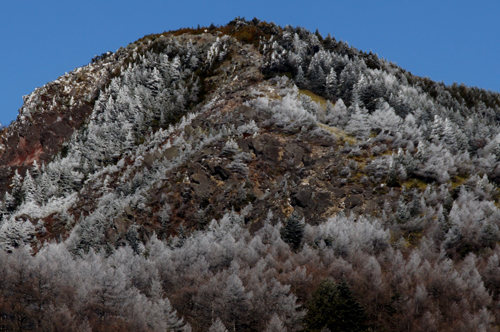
(301, 80)
(45, 189)
(333, 306)
(17, 192)
(437, 129)
(15, 233)
(416, 206)
(358, 124)
(293, 231)
(132, 237)
(347, 79)
(236, 303)
(155, 82)
(402, 211)
(173, 322)
(329, 43)
(476, 291)
(29, 188)
(392, 177)
(337, 115)
(449, 134)
(331, 84)
(384, 118)
(9, 202)
(275, 325)
(316, 73)
(217, 326)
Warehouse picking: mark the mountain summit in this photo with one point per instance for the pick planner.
(250, 177)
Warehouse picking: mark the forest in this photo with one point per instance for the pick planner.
(252, 177)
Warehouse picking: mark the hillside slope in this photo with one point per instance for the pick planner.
(250, 177)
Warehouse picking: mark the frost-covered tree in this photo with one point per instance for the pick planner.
(358, 124)
(15, 233)
(9, 203)
(474, 223)
(29, 188)
(348, 78)
(217, 326)
(275, 325)
(331, 84)
(384, 119)
(17, 192)
(236, 303)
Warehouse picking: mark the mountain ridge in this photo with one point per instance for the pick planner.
(254, 160)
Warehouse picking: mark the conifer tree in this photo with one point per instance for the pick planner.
(402, 211)
(15, 233)
(300, 79)
(358, 124)
(17, 192)
(275, 324)
(236, 303)
(333, 306)
(217, 326)
(293, 231)
(29, 188)
(154, 82)
(132, 237)
(9, 202)
(347, 79)
(331, 84)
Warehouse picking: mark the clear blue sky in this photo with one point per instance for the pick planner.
(450, 41)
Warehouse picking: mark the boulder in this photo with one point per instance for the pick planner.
(353, 201)
(171, 153)
(201, 184)
(223, 172)
(303, 197)
(338, 192)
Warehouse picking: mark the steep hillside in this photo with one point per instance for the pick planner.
(250, 177)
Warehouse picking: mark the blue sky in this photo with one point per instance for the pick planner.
(450, 41)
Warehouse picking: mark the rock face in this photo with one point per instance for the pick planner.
(49, 117)
(37, 141)
(43, 137)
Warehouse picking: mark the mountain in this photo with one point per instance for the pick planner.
(250, 177)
